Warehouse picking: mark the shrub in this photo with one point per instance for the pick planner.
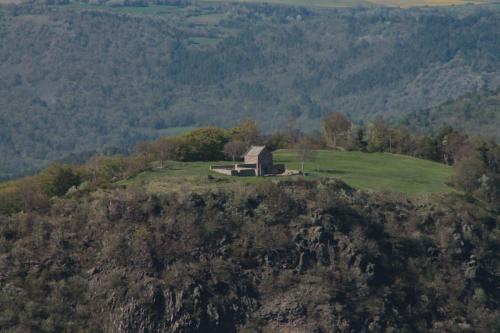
(203, 144)
(56, 180)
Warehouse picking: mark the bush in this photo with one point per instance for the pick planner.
(203, 144)
(57, 180)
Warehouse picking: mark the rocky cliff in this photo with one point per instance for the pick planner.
(286, 257)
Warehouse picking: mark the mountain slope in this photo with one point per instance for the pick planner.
(78, 80)
(477, 113)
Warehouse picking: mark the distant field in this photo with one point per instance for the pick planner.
(349, 3)
(146, 10)
(304, 3)
(161, 9)
(375, 171)
(420, 3)
(170, 131)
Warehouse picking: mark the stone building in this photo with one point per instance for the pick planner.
(262, 158)
(258, 161)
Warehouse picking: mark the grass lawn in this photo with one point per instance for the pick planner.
(376, 171)
(171, 131)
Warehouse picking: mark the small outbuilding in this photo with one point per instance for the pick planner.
(261, 157)
(258, 161)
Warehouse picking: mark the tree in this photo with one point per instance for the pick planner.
(292, 133)
(333, 125)
(144, 150)
(108, 168)
(470, 171)
(379, 136)
(428, 148)
(453, 144)
(402, 141)
(277, 140)
(234, 149)
(304, 152)
(165, 149)
(93, 165)
(355, 139)
(202, 144)
(247, 132)
(56, 180)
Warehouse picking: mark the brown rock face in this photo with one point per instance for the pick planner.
(290, 257)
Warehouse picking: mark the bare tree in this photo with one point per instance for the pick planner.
(234, 149)
(93, 165)
(247, 132)
(333, 125)
(454, 145)
(304, 152)
(165, 149)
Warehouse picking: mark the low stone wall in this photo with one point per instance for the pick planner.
(227, 172)
(246, 173)
(246, 166)
(245, 170)
(225, 167)
(233, 170)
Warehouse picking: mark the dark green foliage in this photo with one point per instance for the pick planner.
(79, 81)
(56, 180)
(203, 144)
(477, 169)
(474, 112)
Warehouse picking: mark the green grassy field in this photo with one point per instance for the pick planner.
(176, 130)
(376, 171)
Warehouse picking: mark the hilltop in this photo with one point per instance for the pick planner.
(375, 172)
(90, 78)
(141, 243)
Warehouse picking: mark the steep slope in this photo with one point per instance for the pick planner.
(86, 79)
(291, 257)
(477, 113)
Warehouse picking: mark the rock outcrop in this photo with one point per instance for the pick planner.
(291, 257)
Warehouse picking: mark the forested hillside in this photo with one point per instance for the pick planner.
(479, 113)
(83, 78)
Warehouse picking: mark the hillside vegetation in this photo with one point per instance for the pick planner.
(349, 3)
(82, 78)
(117, 245)
(295, 257)
(479, 113)
(375, 172)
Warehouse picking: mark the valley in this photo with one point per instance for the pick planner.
(248, 166)
(99, 79)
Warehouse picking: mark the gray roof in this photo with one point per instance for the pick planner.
(255, 150)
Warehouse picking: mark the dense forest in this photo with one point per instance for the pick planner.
(476, 112)
(81, 78)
